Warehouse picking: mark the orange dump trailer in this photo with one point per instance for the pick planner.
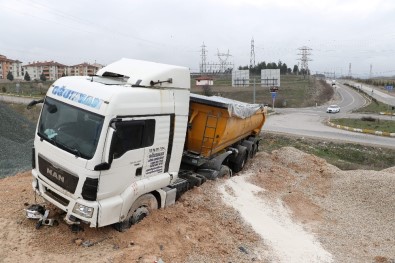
(217, 125)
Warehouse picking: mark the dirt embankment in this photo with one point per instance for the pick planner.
(348, 215)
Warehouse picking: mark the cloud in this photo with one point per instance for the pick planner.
(339, 32)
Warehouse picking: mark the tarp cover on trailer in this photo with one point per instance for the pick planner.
(235, 108)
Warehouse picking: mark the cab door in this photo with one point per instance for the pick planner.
(138, 150)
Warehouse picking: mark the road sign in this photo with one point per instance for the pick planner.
(273, 89)
(274, 94)
(389, 87)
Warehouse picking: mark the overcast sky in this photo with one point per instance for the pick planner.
(360, 32)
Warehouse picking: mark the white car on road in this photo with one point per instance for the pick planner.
(333, 109)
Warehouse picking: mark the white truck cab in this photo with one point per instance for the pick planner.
(108, 146)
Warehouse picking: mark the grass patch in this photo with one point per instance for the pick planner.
(367, 123)
(346, 156)
(25, 88)
(375, 107)
(295, 91)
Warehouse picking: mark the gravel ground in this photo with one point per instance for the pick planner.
(350, 212)
(361, 209)
(16, 141)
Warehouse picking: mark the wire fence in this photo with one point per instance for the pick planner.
(25, 88)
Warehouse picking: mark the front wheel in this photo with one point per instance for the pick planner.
(141, 208)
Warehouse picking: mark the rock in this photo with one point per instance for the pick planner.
(78, 241)
(242, 249)
(87, 243)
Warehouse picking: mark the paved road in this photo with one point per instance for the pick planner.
(14, 99)
(383, 96)
(310, 121)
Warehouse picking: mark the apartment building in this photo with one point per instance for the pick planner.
(10, 65)
(51, 70)
(83, 69)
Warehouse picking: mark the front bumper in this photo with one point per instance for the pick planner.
(62, 200)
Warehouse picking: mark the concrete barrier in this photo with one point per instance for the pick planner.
(387, 113)
(378, 133)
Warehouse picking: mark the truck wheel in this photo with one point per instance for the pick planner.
(139, 210)
(250, 147)
(240, 160)
(224, 171)
(254, 146)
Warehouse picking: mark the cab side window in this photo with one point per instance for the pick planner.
(131, 135)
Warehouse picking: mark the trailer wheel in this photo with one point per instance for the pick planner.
(224, 171)
(255, 146)
(240, 160)
(139, 210)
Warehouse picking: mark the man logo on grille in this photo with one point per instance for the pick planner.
(59, 177)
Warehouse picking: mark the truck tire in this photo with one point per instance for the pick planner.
(139, 210)
(224, 171)
(255, 145)
(250, 147)
(240, 160)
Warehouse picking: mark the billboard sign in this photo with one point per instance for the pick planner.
(270, 77)
(240, 78)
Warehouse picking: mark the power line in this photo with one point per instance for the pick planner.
(78, 22)
(223, 61)
(305, 53)
(203, 64)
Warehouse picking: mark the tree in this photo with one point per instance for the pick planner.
(272, 65)
(279, 65)
(27, 76)
(207, 90)
(296, 69)
(283, 69)
(10, 76)
(42, 77)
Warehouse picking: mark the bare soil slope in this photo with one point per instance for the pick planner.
(349, 213)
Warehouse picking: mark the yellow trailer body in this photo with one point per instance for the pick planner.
(212, 126)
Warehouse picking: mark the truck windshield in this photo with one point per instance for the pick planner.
(70, 128)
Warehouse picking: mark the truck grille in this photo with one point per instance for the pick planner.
(58, 176)
(56, 197)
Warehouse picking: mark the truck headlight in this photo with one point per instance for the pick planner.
(82, 210)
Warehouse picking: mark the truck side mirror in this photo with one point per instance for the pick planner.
(108, 152)
(34, 102)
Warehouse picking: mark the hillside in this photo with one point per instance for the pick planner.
(16, 141)
(288, 206)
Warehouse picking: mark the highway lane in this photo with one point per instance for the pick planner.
(312, 125)
(385, 97)
(310, 122)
